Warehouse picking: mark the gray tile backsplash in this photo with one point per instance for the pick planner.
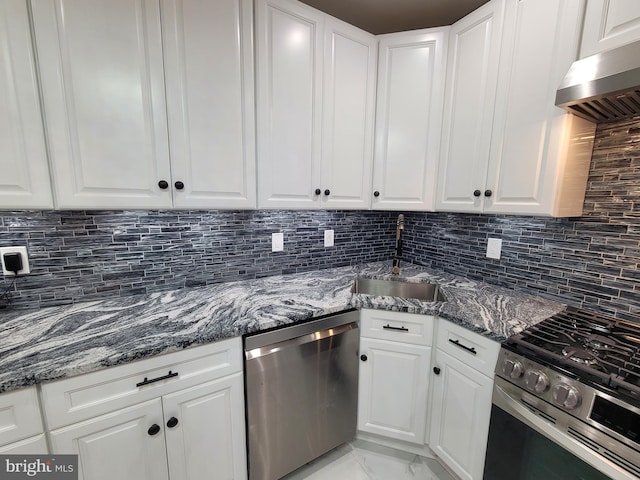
(591, 261)
(78, 255)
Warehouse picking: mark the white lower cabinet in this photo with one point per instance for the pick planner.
(119, 445)
(21, 429)
(189, 425)
(395, 357)
(461, 403)
(409, 399)
(208, 441)
(460, 414)
(393, 389)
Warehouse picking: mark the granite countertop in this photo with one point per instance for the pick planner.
(58, 342)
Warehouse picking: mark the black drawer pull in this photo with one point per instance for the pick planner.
(399, 329)
(146, 381)
(468, 349)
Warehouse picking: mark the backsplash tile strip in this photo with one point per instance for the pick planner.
(85, 255)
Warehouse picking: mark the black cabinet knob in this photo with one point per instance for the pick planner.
(488, 193)
(376, 193)
(363, 358)
(172, 422)
(327, 192)
(154, 429)
(477, 193)
(179, 185)
(163, 184)
(318, 191)
(436, 370)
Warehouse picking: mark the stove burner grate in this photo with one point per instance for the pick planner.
(589, 345)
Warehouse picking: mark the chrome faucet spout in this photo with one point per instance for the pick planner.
(398, 250)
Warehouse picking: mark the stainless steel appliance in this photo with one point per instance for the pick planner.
(566, 401)
(603, 87)
(301, 393)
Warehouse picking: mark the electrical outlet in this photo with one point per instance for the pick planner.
(277, 242)
(25, 259)
(328, 238)
(494, 248)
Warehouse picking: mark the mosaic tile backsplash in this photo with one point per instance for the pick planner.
(88, 255)
(591, 261)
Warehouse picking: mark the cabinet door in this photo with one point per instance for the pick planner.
(609, 24)
(349, 99)
(460, 411)
(209, 74)
(24, 182)
(31, 446)
(525, 169)
(411, 71)
(392, 389)
(289, 103)
(103, 93)
(117, 445)
(209, 439)
(472, 73)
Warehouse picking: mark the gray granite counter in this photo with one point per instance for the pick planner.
(58, 342)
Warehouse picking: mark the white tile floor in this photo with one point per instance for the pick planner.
(361, 460)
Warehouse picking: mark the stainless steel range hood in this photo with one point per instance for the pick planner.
(603, 87)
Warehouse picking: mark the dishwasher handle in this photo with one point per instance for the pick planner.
(301, 340)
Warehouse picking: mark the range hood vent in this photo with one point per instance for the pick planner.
(604, 87)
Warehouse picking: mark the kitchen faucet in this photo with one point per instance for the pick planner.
(398, 250)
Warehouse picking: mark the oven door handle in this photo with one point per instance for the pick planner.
(516, 409)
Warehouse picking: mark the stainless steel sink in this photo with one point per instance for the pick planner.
(429, 292)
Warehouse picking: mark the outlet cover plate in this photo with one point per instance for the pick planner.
(277, 242)
(25, 259)
(328, 238)
(494, 248)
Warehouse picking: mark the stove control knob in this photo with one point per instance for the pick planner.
(512, 368)
(566, 396)
(536, 381)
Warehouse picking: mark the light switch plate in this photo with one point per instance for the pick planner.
(494, 248)
(328, 238)
(25, 259)
(277, 242)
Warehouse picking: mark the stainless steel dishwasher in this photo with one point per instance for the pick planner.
(301, 391)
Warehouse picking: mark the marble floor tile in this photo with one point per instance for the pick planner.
(361, 460)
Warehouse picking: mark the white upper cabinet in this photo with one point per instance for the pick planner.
(609, 24)
(103, 77)
(208, 62)
(289, 102)
(24, 182)
(104, 100)
(307, 61)
(350, 56)
(538, 156)
(408, 118)
(472, 74)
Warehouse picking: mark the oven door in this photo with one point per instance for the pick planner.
(529, 441)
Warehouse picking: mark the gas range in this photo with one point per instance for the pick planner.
(580, 372)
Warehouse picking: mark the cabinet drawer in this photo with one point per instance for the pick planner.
(397, 326)
(86, 396)
(19, 415)
(480, 353)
